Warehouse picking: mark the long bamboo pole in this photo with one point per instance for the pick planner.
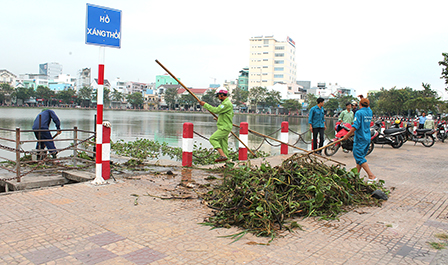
(252, 131)
(214, 115)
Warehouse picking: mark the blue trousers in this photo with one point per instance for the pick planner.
(45, 136)
(360, 150)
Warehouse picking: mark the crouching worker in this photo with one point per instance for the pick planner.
(42, 122)
(361, 129)
(219, 139)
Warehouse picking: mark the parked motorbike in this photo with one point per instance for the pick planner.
(341, 131)
(424, 136)
(391, 136)
(441, 132)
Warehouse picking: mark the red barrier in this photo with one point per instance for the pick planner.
(284, 138)
(187, 145)
(244, 131)
(106, 151)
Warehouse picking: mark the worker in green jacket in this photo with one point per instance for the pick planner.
(219, 139)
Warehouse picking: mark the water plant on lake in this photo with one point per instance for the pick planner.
(142, 149)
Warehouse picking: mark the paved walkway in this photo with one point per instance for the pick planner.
(109, 224)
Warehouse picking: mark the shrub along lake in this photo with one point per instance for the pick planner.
(162, 126)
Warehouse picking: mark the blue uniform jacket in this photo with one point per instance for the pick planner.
(362, 124)
(46, 117)
(317, 117)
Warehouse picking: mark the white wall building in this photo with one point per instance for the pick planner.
(84, 78)
(271, 61)
(52, 70)
(119, 85)
(6, 77)
(291, 91)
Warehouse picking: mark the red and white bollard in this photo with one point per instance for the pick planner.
(106, 150)
(284, 137)
(187, 145)
(244, 131)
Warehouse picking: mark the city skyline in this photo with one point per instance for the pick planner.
(358, 45)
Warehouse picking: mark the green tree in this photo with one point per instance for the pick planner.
(311, 99)
(106, 96)
(344, 99)
(331, 106)
(44, 93)
(444, 63)
(273, 98)
(23, 93)
(6, 88)
(239, 96)
(257, 95)
(291, 105)
(210, 97)
(135, 99)
(188, 100)
(117, 95)
(85, 95)
(171, 97)
(426, 99)
(66, 96)
(5, 92)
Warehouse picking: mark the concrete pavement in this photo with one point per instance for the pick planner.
(121, 224)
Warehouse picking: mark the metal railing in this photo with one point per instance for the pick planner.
(22, 162)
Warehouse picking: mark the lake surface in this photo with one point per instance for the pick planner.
(160, 126)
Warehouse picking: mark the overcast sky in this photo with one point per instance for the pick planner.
(363, 45)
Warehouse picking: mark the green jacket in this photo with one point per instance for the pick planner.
(346, 117)
(225, 114)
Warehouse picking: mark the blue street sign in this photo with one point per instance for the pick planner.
(103, 26)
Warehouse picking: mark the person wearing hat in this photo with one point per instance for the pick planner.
(42, 122)
(361, 129)
(316, 120)
(354, 107)
(219, 139)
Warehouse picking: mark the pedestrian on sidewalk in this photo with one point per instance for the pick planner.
(361, 129)
(219, 139)
(316, 120)
(421, 120)
(42, 122)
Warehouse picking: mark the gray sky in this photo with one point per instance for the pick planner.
(363, 45)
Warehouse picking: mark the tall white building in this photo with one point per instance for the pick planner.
(52, 70)
(271, 61)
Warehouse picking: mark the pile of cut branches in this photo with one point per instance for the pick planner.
(260, 199)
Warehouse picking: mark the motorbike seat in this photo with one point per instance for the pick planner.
(393, 130)
(422, 131)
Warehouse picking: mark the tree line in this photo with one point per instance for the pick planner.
(83, 97)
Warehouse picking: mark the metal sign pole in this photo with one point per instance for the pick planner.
(99, 118)
(103, 28)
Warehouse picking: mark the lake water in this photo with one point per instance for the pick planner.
(160, 126)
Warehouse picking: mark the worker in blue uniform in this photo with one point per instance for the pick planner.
(42, 125)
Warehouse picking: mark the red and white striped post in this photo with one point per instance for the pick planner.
(244, 131)
(284, 137)
(106, 150)
(99, 119)
(187, 145)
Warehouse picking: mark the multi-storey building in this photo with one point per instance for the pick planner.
(84, 78)
(271, 61)
(52, 70)
(165, 80)
(243, 79)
